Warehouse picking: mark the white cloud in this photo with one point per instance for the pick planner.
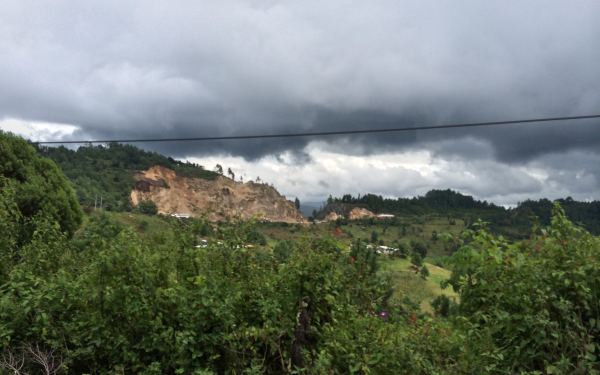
(407, 173)
(37, 130)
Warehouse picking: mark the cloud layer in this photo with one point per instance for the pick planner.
(129, 69)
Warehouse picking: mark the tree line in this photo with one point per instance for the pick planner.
(515, 222)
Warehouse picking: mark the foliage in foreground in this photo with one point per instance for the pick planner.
(106, 302)
(32, 186)
(533, 305)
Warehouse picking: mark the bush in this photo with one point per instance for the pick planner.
(283, 250)
(40, 188)
(147, 207)
(419, 247)
(374, 237)
(533, 305)
(442, 305)
(416, 259)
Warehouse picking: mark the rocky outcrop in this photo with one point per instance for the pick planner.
(359, 213)
(218, 199)
(335, 211)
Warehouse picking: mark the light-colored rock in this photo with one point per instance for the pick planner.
(359, 213)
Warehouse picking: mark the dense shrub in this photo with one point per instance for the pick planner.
(107, 301)
(535, 305)
(38, 188)
(147, 207)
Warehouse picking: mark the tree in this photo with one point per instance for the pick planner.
(219, 169)
(424, 272)
(147, 207)
(419, 247)
(441, 305)
(416, 259)
(374, 237)
(231, 174)
(40, 187)
(297, 203)
(402, 251)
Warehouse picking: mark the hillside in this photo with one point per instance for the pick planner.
(220, 198)
(107, 172)
(513, 222)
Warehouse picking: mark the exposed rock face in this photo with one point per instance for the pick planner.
(359, 213)
(334, 211)
(218, 199)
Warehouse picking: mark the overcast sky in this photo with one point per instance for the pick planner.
(129, 69)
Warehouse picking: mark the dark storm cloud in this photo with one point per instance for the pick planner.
(134, 69)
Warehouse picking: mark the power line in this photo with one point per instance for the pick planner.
(331, 133)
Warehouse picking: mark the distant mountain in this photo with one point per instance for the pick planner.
(435, 201)
(513, 222)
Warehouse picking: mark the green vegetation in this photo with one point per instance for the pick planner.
(147, 207)
(403, 233)
(33, 187)
(534, 304)
(107, 171)
(515, 223)
(126, 292)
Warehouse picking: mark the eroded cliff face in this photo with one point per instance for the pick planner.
(334, 211)
(353, 214)
(218, 199)
(359, 213)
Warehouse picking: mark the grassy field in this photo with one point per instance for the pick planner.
(426, 230)
(408, 283)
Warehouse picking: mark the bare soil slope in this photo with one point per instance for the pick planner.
(218, 199)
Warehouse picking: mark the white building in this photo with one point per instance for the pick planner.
(181, 216)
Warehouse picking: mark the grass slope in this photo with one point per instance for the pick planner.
(412, 285)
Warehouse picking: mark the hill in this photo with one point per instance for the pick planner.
(121, 176)
(513, 222)
(107, 172)
(219, 199)
(32, 188)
